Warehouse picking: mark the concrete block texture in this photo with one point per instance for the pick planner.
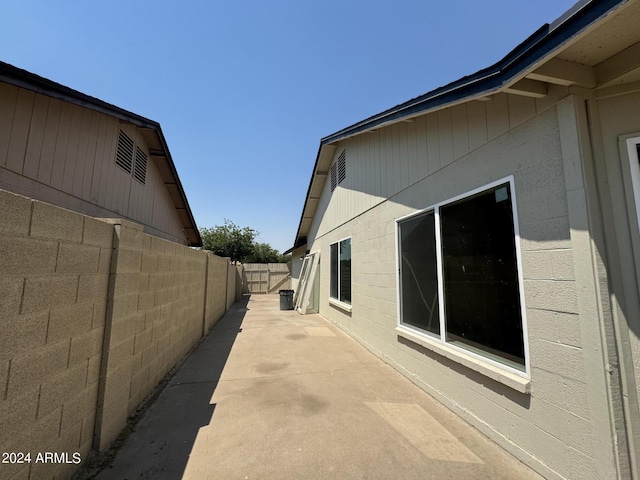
(15, 213)
(11, 294)
(78, 259)
(41, 293)
(30, 368)
(82, 341)
(56, 223)
(97, 233)
(22, 333)
(27, 256)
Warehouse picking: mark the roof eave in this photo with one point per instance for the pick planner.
(541, 45)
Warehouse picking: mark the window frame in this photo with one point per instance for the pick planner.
(333, 300)
(439, 343)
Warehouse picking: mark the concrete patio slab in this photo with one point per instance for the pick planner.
(272, 394)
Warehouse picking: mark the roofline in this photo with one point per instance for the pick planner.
(35, 83)
(538, 45)
(488, 80)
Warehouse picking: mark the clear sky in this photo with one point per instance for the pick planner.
(245, 89)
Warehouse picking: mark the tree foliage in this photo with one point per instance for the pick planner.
(229, 240)
(239, 244)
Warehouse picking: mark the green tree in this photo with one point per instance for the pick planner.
(229, 240)
(263, 253)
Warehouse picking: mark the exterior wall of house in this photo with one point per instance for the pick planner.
(297, 256)
(404, 168)
(64, 154)
(616, 119)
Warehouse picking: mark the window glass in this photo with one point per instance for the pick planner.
(333, 288)
(419, 275)
(480, 275)
(345, 271)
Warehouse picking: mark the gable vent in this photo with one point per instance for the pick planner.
(140, 170)
(342, 166)
(124, 155)
(338, 170)
(334, 176)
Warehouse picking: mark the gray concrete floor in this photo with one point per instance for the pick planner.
(272, 394)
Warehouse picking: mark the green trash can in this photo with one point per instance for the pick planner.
(286, 299)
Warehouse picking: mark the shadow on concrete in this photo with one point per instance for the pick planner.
(165, 435)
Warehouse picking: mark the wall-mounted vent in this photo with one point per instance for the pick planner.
(140, 170)
(338, 170)
(334, 176)
(124, 155)
(342, 166)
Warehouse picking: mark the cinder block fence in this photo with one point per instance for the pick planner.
(93, 314)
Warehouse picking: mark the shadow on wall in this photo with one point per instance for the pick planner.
(166, 435)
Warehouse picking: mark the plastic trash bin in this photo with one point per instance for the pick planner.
(286, 299)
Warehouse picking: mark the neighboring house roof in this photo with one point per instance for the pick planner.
(526, 70)
(157, 144)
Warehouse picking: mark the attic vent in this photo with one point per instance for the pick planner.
(342, 167)
(124, 155)
(338, 170)
(334, 176)
(140, 170)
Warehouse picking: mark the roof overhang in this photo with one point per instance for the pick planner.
(151, 130)
(527, 70)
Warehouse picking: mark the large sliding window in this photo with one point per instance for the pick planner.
(459, 279)
(340, 271)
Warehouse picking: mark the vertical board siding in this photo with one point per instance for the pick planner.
(446, 137)
(383, 163)
(477, 122)
(460, 131)
(71, 161)
(82, 160)
(497, 116)
(521, 109)
(36, 137)
(20, 131)
(412, 152)
(61, 145)
(47, 155)
(9, 96)
(92, 149)
(433, 143)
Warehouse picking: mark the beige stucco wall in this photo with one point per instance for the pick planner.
(93, 314)
(429, 161)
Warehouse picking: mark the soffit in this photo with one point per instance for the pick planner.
(620, 31)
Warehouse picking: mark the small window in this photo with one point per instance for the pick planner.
(340, 271)
(124, 154)
(459, 279)
(140, 171)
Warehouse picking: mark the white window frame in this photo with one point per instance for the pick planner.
(336, 301)
(630, 164)
(634, 167)
(517, 379)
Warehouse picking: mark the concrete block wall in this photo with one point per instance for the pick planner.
(216, 301)
(93, 314)
(54, 274)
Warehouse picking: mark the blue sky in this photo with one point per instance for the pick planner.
(245, 90)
